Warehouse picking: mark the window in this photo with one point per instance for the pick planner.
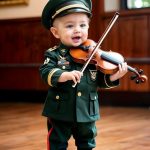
(135, 4)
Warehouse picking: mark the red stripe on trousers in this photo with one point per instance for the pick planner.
(48, 136)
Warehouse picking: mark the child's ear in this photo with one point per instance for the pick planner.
(54, 32)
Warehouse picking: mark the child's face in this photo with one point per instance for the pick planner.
(72, 29)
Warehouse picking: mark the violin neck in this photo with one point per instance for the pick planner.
(133, 70)
(115, 61)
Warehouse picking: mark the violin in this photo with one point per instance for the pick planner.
(106, 62)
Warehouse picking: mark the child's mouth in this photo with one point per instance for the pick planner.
(76, 39)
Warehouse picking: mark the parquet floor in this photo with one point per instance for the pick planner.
(121, 128)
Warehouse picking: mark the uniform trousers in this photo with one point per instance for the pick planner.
(59, 132)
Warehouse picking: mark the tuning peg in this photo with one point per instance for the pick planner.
(133, 77)
(142, 80)
(140, 71)
(137, 81)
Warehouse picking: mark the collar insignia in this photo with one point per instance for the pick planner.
(63, 52)
(53, 48)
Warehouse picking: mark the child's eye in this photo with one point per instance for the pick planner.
(69, 26)
(83, 25)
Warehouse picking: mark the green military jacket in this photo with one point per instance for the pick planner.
(65, 102)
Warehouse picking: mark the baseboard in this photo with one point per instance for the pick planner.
(112, 98)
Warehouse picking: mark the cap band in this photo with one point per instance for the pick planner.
(68, 7)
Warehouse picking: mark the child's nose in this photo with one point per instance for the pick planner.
(77, 29)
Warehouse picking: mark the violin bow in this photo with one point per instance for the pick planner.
(113, 20)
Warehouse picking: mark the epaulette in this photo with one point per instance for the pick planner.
(52, 48)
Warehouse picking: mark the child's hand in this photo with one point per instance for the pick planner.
(123, 69)
(73, 75)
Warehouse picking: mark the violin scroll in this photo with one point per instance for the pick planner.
(138, 77)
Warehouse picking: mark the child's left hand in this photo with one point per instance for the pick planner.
(123, 69)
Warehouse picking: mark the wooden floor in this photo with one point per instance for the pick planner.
(121, 128)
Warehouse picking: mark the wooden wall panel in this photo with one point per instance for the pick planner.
(22, 45)
(23, 40)
(129, 36)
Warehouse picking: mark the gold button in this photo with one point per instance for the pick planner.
(79, 93)
(57, 97)
(63, 67)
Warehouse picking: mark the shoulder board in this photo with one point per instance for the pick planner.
(53, 48)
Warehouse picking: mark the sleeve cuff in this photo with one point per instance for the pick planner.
(109, 83)
(53, 76)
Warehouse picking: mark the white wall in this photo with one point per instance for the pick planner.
(35, 7)
(112, 5)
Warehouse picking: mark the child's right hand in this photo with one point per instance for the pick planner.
(73, 75)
